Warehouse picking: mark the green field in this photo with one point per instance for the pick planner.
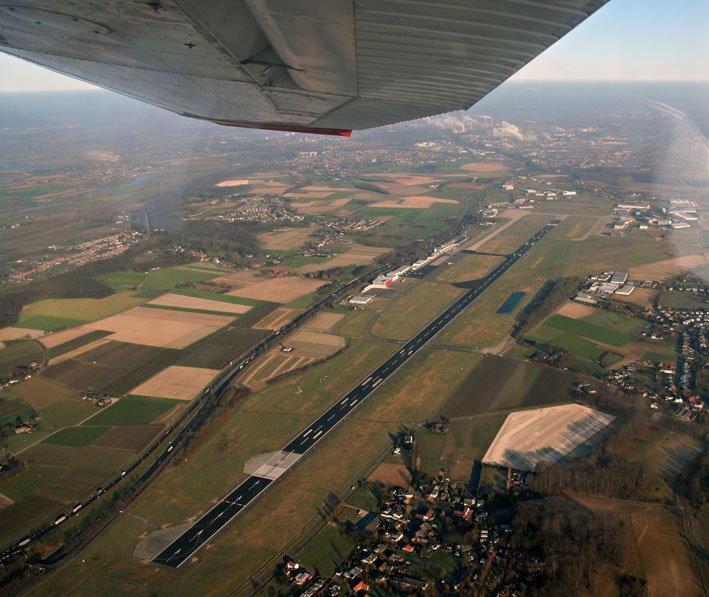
(48, 324)
(604, 327)
(326, 551)
(681, 300)
(54, 314)
(167, 278)
(19, 353)
(12, 406)
(501, 384)
(467, 440)
(76, 436)
(133, 410)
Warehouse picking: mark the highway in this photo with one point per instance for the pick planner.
(217, 517)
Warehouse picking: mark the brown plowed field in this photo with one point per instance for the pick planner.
(279, 290)
(127, 438)
(180, 383)
(201, 304)
(160, 327)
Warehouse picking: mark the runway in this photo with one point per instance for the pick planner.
(218, 516)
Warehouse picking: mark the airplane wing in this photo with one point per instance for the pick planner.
(325, 66)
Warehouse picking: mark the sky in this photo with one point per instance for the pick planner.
(626, 40)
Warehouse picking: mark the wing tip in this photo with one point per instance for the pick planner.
(267, 126)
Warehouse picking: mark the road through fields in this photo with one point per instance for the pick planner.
(239, 498)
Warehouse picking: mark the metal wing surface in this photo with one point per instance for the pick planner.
(325, 66)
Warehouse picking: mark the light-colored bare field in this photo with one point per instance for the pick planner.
(237, 279)
(279, 290)
(544, 435)
(11, 333)
(5, 501)
(277, 319)
(323, 322)
(192, 302)
(315, 344)
(178, 383)
(575, 310)
(79, 351)
(487, 168)
(663, 552)
(396, 475)
(413, 202)
(160, 327)
(511, 215)
(239, 182)
(285, 240)
(53, 340)
(666, 268)
(358, 255)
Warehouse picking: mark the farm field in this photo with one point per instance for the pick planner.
(63, 338)
(127, 437)
(59, 475)
(279, 290)
(589, 335)
(160, 327)
(165, 279)
(178, 383)
(114, 367)
(76, 436)
(13, 333)
(54, 314)
(134, 410)
(215, 351)
(487, 169)
(20, 353)
(198, 304)
(78, 345)
(499, 384)
(544, 436)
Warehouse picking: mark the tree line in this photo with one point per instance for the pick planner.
(547, 299)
